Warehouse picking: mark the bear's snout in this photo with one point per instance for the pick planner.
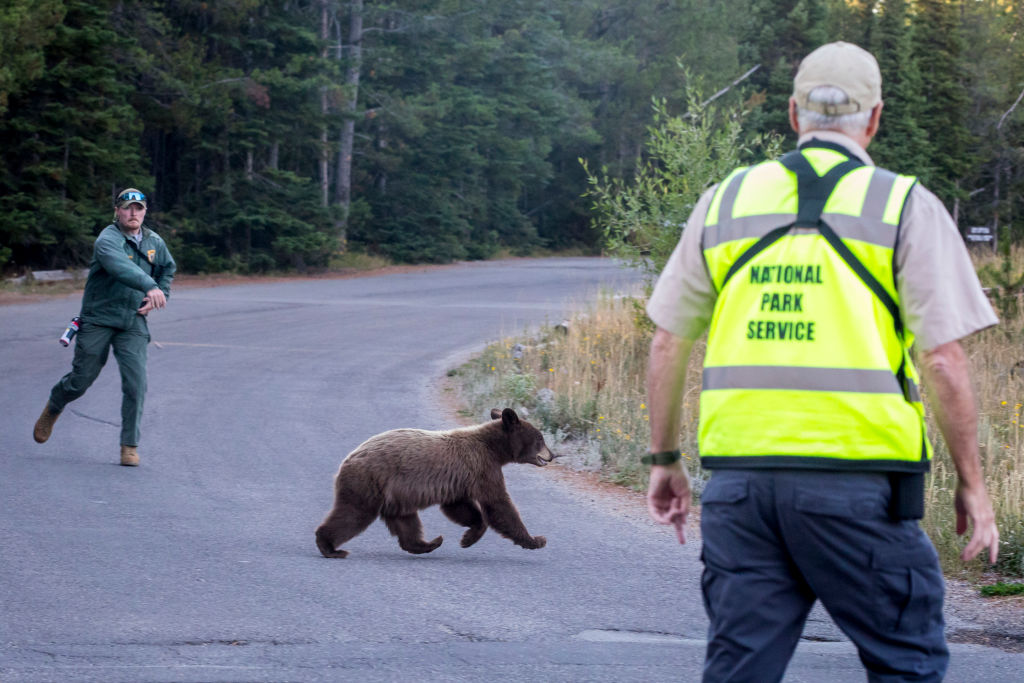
(544, 457)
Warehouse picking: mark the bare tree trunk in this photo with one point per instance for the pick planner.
(323, 108)
(996, 198)
(275, 155)
(249, 165)
(343, 189)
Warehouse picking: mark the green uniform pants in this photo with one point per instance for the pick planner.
(92, 347)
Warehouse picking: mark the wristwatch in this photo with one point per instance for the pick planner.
(662, 458)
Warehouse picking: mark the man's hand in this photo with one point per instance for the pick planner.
(155, 298)
(974, 506)
(668, 497)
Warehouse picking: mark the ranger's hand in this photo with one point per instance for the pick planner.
(156, 297)
(668, 497)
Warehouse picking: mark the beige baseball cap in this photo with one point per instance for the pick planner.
(846, 66)
(130, 196)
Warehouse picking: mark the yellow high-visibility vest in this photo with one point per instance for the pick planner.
(807, 361)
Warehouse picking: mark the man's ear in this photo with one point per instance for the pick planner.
(794, 122)
(876, 117)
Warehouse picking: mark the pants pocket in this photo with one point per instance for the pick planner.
(723, 517)
(910, 589)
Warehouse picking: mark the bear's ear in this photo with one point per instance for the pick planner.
(509, 419)
(495, 413)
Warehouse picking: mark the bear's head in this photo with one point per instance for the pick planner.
(525, 441)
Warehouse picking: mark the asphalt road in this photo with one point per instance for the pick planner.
(200, 565)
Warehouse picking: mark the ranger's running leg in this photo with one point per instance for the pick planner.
(92, 346)
(130, 353)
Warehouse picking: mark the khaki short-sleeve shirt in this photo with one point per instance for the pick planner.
(941, 299)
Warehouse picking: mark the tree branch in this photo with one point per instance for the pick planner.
(1010, 110)
(737, 82)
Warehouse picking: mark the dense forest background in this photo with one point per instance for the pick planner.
(274, 135)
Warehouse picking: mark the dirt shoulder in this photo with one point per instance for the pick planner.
(970, 618)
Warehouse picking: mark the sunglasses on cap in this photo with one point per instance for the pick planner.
(132, 196)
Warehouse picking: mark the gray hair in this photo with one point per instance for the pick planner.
(854, 124)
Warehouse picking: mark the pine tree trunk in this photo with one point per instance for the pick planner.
(275, 155)
(343, 189)
(323, 108)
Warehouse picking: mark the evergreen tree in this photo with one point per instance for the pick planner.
(233, 118)
(996, 90)
(901, 144)
(777, 34)
(939, 53)
(26, 27)
(69, 140)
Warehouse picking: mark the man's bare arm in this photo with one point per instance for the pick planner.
(947, 376)
(666, 377)
(668, 495)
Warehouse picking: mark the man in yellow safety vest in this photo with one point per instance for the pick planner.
(813, 276)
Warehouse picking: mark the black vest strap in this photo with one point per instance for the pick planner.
(813, 191)
(755, 249)
(817, 143)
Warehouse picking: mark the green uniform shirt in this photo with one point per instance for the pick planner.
(119, 276)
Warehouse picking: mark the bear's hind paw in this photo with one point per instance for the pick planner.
(538, 543)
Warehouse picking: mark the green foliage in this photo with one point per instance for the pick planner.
(1011, 548)
(1002, 589)
(777, 34)
(1005, 281)
(26, 27)
(521, 388)
(686, 155)
(467, 119)
(68, 140)
(901, 144)
(939, 51)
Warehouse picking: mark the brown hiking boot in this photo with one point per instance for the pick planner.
(44, 425)
(129, 456)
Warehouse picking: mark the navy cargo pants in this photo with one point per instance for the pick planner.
(92, 347)
(776, 540)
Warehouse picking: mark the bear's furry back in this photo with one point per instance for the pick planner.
(404, 470)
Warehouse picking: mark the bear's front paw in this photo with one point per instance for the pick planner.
(472, 536)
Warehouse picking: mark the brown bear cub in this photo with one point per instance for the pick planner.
(397, 473)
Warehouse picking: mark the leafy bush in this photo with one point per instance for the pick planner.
(1001, 589)
(686, 154)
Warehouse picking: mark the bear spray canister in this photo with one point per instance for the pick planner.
(70, 332)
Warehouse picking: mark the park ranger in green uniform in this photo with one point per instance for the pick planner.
(129, 276)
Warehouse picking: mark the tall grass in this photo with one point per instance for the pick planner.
(584, 385)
